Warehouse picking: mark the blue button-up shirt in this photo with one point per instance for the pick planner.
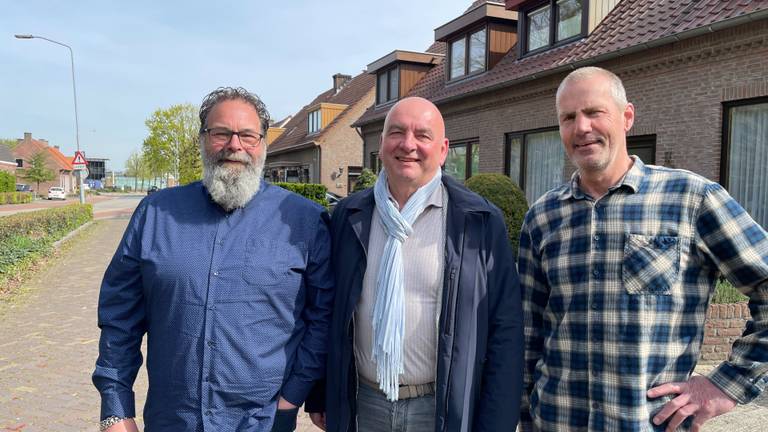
(235, 306)
(615, 295)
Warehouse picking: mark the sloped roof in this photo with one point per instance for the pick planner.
(633, 25)
(62, 160)
(6, 155)
(295, 135)
(25, 149)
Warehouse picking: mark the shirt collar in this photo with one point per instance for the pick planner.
(434, 200)
(632, 179)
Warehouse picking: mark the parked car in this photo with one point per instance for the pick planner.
(332, 199)
(20, 187)
(152, 189)
(56, 193)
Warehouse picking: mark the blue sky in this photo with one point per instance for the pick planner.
(136, 56)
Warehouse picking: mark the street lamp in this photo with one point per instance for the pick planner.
(74, 94)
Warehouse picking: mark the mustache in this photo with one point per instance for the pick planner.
(227, 155)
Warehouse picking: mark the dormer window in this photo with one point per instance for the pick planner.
(313, 121)
(468, 54)
(552, 23)
(387, 85)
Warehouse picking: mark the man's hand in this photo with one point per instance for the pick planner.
(127, 425)
(283, 404)
(697, 397)
(318, 419)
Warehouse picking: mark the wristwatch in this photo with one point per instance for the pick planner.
(110, 421)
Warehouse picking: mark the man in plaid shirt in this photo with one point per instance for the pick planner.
(617, 268)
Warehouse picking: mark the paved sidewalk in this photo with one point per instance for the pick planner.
(49, 341)
(48, 346)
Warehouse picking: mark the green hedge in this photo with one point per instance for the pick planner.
(507, 196)
(15, 197)
(726, 293)
(24, 237)
(312, 191)
(367, 179)
(7, 182)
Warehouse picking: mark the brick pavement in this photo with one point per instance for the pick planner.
(48, 345)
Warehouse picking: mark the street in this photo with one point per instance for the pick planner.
(104, 206)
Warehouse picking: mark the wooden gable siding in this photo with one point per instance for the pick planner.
(410, 74)
(598, 9)
(501, 39)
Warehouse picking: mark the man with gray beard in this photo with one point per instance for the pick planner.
(229, 278)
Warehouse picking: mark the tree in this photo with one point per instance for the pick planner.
(38, 171)
(172, 144)
(133, 167)
(367, 179)
(8, 142)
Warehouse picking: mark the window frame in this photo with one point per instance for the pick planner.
(469, 145)
(375, 162)
(523, 150)
(524, 29)
(387, 72)
(642, 141)
(310, 121)
(725, 147)
(466, 36)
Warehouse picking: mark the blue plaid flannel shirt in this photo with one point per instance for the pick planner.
(615, 295)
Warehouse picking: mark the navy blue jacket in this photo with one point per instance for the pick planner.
(480, 345)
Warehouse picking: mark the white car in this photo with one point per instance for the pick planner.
(56, 193)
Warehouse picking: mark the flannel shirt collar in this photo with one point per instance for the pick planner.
(633, 179)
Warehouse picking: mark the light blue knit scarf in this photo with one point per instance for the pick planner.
(388, 309)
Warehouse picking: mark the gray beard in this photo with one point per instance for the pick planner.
(231, 188)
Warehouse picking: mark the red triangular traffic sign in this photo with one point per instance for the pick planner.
(79, 159)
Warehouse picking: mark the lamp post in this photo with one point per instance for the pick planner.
(74, 94)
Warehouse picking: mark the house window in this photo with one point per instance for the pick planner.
(745, 156)
(553, 22)
(375, 162)
(466, 61)
(19, 163)
(644, 147)
(313, 121)
(387, 85)
(535, 161)
(463, 160)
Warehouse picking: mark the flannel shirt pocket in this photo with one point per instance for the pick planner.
(651, 264)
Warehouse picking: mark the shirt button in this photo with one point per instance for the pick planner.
(215, 273)
(207, 379)
(593, 305)
(208, 412)
(596, 237)
(210, 343)
(211, 307)
(596, 273)
(595, 405)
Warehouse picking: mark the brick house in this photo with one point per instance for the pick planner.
(27, 147)
(317, 145)
(696, 71)
(7, 161)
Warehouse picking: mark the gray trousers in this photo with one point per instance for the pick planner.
(376, 414)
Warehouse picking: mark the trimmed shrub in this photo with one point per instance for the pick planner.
(366, 180)
(15, 197)
(725, 293)
(507, 196)
(311, 191)
(27, 236)
(7, 182)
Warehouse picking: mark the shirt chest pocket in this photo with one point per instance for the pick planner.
(651, 264)
(271, 262)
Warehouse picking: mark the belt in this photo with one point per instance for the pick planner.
(404, 391)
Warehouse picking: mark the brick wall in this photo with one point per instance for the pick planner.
(725, 323)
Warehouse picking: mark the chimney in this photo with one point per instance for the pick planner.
(339, 80)
(56, 147)
(27, 136)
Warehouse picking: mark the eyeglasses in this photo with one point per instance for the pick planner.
(221, 136)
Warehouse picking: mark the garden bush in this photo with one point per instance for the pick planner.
(7, 182)
(507, 196)
(15, 197)
(367, 179)
(726, 293)
(24, 237)
(311, 191)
